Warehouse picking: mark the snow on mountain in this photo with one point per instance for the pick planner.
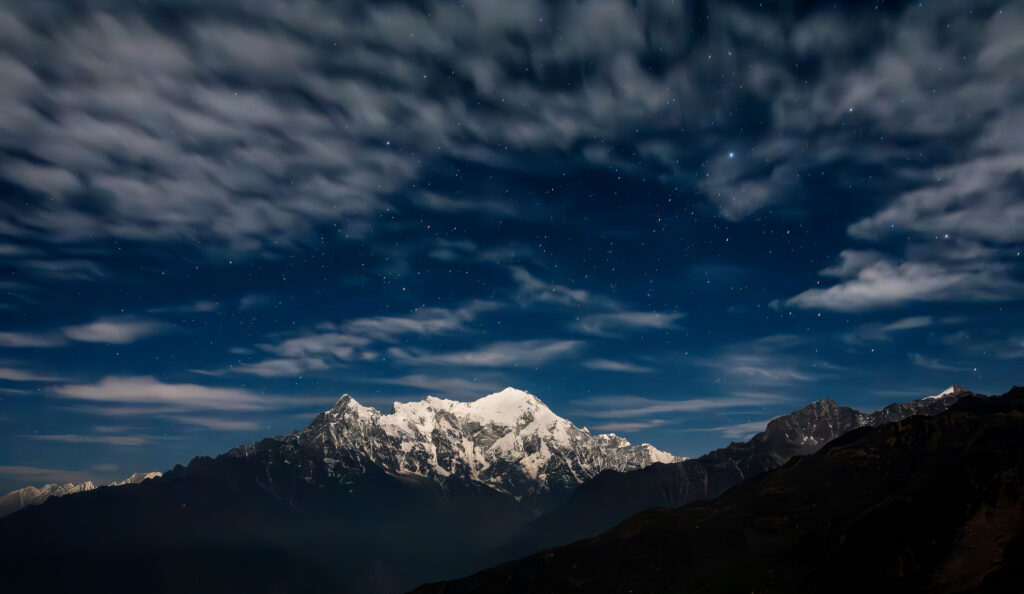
(30, 495)
(509, 440)
(136, 478)
(954, 389)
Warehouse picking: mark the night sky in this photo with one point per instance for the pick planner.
(672, 220)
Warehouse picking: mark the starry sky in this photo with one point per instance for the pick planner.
(669, 219)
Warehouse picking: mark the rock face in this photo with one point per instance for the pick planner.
(613, 496)
(509, 441)
(20, 498)
(924, 504)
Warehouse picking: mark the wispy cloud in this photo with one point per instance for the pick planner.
(629, 427)
(533, 290)
(521, 353)
(149, 391)
(20, 375)
(201, 306)
(217, 424)
(870, 280)
(119, 440)
(456, 387)
(619, 366)
(117, 330)
(423, 321)
(628, 407)
(739, 431)
(772, 360)
(282, 367)
(883, 332)
(447, 204)
(933, 363)
(31, 339)
(354, 340)
(38, 476)
(607, 324)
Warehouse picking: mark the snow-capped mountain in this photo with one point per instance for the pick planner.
(509, 440)
(26, 496)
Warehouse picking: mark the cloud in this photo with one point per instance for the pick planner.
(422, 321)
(283, 367)
(737, 432)
(30, 340)
(19, 375)
(217, 424)
(629, 427)
(448, 205)
(201, 306)
(456, 387)
(116, 330)
(871, 280)
(523, 353)
(352, 340)
(619, 366)
(533, 290)
(933, 364)
(119, 440)
(882, 332)
(232, 106)
(62, 270)
(628, 407)
(148, 391)
(38, 476)
(775, 360)
(606, 324)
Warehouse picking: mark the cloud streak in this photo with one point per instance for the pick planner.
(116, 330)
(523, 353)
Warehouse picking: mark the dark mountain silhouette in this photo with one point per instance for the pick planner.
(925, 504)
(612, 496)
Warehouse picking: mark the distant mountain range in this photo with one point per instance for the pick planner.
(923, 504)
(363, 501)
(26, 496)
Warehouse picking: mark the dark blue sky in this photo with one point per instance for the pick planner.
(672, 220)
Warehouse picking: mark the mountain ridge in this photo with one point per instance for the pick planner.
(927, 503)
(31, 495)
(612, 496)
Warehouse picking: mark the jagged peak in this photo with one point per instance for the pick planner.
(954, 389)
(347, 402)
(823, 404)
(506, 399)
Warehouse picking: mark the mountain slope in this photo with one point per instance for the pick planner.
(26, 496)
(358, 501)
(924, 504)
(613, 496)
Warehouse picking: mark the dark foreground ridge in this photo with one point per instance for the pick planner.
(926, 504)
(612, 496)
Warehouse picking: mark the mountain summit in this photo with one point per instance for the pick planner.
(510, 441)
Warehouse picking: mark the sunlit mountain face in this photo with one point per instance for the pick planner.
(670, 220)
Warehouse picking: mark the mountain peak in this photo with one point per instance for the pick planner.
(508, 402)
(509, 440)
(954, 389)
